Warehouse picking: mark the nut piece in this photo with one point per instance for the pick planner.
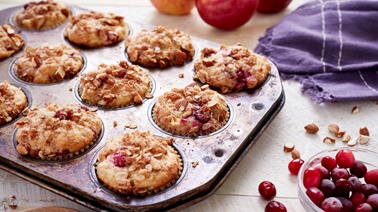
(295, 154)
(311, 128)
(355, 110)
(195, 164)
(333, 128)
(363, 139)
(289, 146)
(364, 131)
(339, 134)
(329, 140)
(352, 142)
(346, 138)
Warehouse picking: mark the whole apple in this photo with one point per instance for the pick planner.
(226, 14)
(272, 6)
(173, 7)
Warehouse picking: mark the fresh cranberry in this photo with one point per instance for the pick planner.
(369, 189)
(315, 195)
(311, 178)
(348, 206)
(371, 177)
(332, 204)
(324, 173)
(358, 169)
(295, 165)
(345, 158)
(357, 198)
(355, 183)
(329, 163)
(267, 190)
(364, 207)
(275, 206)
(372, 200)
(343, 187)
(118, 159)
(327, 187)
(338, 173)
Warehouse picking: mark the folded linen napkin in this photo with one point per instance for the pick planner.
(330, 47)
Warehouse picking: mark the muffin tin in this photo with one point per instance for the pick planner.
(207, 160)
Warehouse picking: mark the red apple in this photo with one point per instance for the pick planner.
(272, 6)
(226, 15)
(173, 7)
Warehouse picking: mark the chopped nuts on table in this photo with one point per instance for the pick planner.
(364, 131)
(311, 128)
(363, 139)
(333, 128)
(289, 146)
(329, 140)
(346, 137)
(352, 142)
(355, 110)
(295, 154)
(340, 134)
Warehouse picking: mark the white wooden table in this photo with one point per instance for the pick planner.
(266, 160)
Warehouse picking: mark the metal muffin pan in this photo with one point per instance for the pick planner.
(216, 155)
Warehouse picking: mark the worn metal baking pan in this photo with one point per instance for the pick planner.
(216, 155)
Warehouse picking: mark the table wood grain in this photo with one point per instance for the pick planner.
(266, 160)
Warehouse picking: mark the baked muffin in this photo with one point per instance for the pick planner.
(57, 131)
(10, 41)
(42, 15)
(12, 102)
(160, 47)
(231, 68)
(48, 63)
(115, 86)
(192, 111)
(138, 163)
(96, 29)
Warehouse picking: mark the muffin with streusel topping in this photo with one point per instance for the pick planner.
(191, 111)
(42, 15)
(10, 41)
(231, 68)
(12, 102)
(138, 163)
(57, 131)
(160, 47)
(115, 86)
(96, 29)
(46, 63)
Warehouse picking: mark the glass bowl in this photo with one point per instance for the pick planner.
(368, 157)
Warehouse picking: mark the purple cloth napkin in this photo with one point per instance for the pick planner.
(330, 47)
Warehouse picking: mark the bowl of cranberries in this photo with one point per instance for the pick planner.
(340, 179)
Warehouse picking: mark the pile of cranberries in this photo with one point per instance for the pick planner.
(340, 184)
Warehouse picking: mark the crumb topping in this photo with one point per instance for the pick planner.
(57, 130)
(42, 15)
(160, 47)
(12, 102)
(191, 111)
(95, 29)
(115, 86)
(10, 41)
(138, 163)
(231, 68)
(48, 63)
